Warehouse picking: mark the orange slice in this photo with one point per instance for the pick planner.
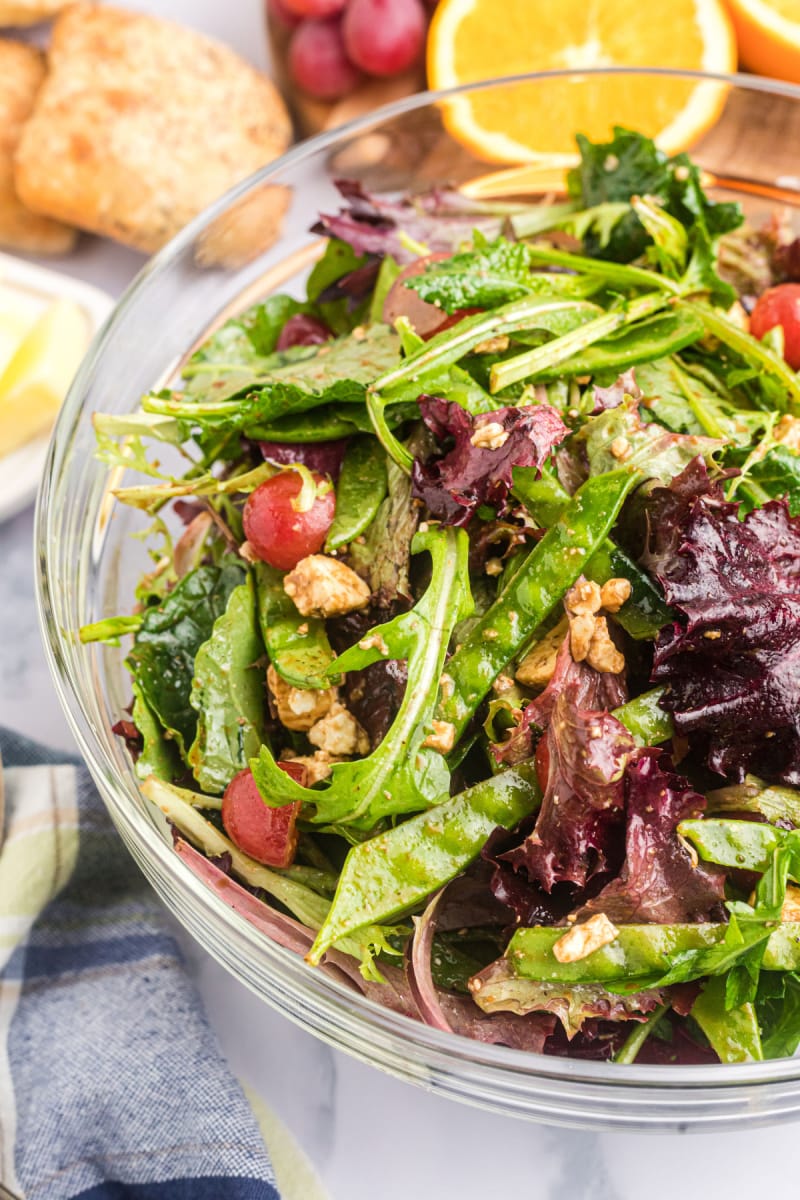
(471, 40)
(768, 33)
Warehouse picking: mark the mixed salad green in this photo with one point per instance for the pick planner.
(475, 666)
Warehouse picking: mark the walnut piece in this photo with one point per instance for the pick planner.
(489, 436)
(581, 632)
(298, 708)
(584, 597)
(324, 587)
(442, 738)
(537, 667)
(582, 940)
(791, 904)
(614, 593)
(339, 733)
(602, 654)
(787, 432)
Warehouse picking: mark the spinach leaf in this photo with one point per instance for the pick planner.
(228, 693)
(402, 775)
(339, 314)
(158, 756)
(165, 647)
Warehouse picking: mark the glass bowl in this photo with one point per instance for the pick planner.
(88, 565)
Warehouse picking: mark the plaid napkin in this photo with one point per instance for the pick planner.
(112, 1084)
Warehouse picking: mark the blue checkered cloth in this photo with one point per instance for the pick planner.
(112, 1084)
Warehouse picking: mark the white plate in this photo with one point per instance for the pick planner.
(21, 470)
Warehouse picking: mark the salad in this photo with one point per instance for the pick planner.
(473, 670)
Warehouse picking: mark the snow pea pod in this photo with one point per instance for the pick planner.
(531, 593)
(395, 871)
(645, 719)
(639, 952)
(298, 646)
(645, 613)
(359, 492)
(746, 844)
(733, 1033)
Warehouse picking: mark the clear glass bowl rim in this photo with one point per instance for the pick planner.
(332, 1001)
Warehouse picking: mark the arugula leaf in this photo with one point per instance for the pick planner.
(655, 337)
(165, 647)
(401, 775)
(337, 372)
(228, 694)
(632, 165)
(110, 629)
(629, 165)
(151, 496)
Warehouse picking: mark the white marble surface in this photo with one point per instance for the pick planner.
(369, 1135)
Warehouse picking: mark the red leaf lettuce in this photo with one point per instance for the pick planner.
(452, 485)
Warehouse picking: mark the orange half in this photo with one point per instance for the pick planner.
(472, 40)
(768, 33)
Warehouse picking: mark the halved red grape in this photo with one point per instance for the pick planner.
(318, 62)
(780, 306)
(384, 37)
(279, 533)
(268, 835)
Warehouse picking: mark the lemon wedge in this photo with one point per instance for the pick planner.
(36, 377)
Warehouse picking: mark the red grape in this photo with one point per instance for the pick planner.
(314, 8)
(283, 15)
(780, 306)
(303, 330)
(384, 37)
(277, 533)
(318, 62)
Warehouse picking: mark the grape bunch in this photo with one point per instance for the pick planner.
(334, 44)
